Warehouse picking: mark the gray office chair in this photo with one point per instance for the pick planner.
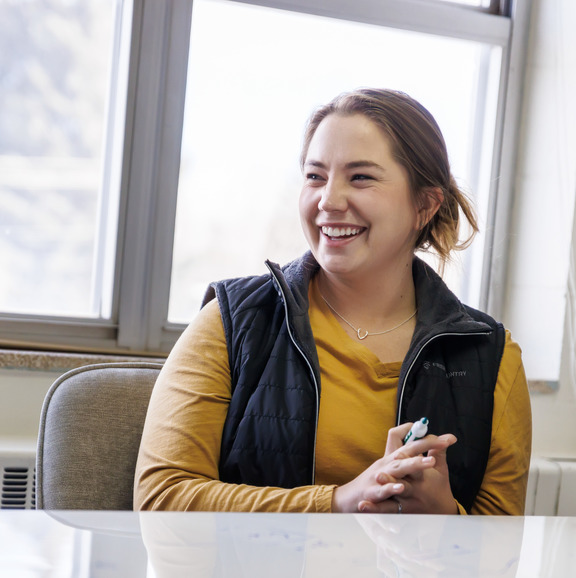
(90, 429)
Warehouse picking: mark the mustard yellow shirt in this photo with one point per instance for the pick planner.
(177, 466)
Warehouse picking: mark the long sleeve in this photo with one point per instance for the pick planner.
(177, 466)
(503, 489)
(178, 462)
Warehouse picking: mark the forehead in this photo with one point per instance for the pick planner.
(354, 134)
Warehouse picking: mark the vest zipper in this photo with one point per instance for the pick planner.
(310, 368)
(448, 334)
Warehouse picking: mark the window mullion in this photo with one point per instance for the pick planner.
(496, 256)
(141, 186)
(170, 139)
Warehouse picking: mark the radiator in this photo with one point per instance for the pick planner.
(551, 487)
(18, 482)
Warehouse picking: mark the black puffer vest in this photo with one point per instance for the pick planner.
(269, 436)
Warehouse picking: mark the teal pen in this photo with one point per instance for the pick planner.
(418, 430)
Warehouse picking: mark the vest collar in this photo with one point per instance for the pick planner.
(439, 310)
(437, 305)
(293, 280)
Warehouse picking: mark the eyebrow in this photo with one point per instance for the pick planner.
(350, 165)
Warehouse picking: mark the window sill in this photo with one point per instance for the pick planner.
(540, 386)
(58, 362)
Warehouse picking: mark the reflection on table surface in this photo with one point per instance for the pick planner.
(70, 544)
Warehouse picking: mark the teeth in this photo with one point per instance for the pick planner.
(340, 231)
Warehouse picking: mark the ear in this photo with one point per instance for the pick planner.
(428, 204)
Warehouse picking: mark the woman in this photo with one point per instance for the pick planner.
(293, 391)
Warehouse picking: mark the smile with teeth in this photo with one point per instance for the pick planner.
(340, 232)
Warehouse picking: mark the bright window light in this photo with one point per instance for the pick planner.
(55, 68)
(255, 75)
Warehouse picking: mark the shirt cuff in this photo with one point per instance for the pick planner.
(323, 501)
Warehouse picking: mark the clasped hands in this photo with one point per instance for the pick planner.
(411, 478)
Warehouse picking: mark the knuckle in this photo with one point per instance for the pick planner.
(396, 465)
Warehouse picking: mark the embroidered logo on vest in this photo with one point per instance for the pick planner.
(428, 365)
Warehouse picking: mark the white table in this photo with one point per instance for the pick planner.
(76, 544)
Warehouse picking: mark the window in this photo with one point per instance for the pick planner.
(56, 68)
(237, 209)
(196, 112)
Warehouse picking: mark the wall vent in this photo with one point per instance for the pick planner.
(18, 483)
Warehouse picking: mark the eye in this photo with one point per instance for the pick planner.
(361, 177)
(313, 177)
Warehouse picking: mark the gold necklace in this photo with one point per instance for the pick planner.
(363, 334)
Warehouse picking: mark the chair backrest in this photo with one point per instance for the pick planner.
(90, 430)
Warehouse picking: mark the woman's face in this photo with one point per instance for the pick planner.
(356, 207)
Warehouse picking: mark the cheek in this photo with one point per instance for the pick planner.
(308, 208)
(409, 215)
(307, 205)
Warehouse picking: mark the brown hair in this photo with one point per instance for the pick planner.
(418, 145)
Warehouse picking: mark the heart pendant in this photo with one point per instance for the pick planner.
(362, 335)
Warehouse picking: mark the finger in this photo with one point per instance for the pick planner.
(400, 468)
(384, 507)
(424, 445)
(381, 492)
(440, 455)
(396, 437)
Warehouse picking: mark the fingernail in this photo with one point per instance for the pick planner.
(427, 460)
(397, 487)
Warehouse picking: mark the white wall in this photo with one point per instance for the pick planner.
(543, 222)
(21, 397)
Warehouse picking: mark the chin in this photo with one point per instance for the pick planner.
(335, 265)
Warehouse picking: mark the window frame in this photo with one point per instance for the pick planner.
(148, 176)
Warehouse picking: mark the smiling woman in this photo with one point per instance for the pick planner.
(352, 181)
(377, 187)
(288, 388)
(413, 151)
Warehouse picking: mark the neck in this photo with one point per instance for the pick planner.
(371, 303)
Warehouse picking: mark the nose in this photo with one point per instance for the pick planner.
(334, 197)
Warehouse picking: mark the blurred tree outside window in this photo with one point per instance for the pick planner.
(55, 59)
